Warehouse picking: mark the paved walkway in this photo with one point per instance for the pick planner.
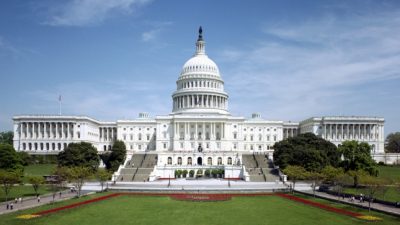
(376, 206)
(30, 202)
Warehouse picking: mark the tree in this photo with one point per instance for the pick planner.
(62, 175)
(331, 174)
(295, 173)
(9, 159)
(356, 157)
(306, 150)
(116, 157)
(373, 185)
(6, 137)
(103, 176)
(78, 176)
(8, 180)
(393, 143)
(316, 178)
(25, 158)
(36, 181)
(81, 154)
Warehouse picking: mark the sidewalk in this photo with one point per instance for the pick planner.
(374, 206)
(31, 202)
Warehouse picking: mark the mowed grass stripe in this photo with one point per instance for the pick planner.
(163, 210)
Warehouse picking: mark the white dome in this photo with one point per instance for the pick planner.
(200, 64)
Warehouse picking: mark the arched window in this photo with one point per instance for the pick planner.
(179, 160)
(41, 146)
(139, 137)
(219, 161)
(209, 161)
(229, 161)
(218, 136)
(189, 161)
(47, 146)
(23, 146)
(53, 146)
(105, 147)
(59, 146)
(169, 161)
(207, 136)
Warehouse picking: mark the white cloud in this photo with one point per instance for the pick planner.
(110, 100)
(90, 12)
(314, 68)
(156, 29)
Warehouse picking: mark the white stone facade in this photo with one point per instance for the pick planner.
(200, 128)
(337, 129)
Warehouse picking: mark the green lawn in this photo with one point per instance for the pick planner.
(392, 194)
(265, 210)
(38, 170)
(391, 172)
(24, 191)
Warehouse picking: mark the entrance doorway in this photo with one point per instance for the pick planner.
(199, 161)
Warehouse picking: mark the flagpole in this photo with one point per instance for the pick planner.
(59, 102)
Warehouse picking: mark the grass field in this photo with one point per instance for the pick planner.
(163, 210)
(392, 194)
(38, 170)
(26, 191)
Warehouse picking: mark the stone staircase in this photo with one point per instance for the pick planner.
(138, 168)
(259, 168)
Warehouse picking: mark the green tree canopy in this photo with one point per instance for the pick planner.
(81, 154)
(116, 157)
(6, 137)
(8, 180)
(306, 150)
(393, 143)
(36, 181)
(357, 158)
(103, 176)
(295, 173)
(78, 175)
(9, 159)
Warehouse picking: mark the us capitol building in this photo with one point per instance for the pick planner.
(198, 133)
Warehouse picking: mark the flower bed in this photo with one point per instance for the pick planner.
(201, 197)
(320, 205)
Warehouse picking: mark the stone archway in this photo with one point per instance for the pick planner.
(199, 161)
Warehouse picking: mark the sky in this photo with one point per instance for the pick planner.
(288, 60)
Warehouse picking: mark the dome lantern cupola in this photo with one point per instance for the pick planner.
(200, 44)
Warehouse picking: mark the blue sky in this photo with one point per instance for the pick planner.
(288, 60)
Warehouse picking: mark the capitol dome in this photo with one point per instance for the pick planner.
(200, 64)
(200, 88)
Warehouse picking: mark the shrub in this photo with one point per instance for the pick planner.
(207, 173)
(199, 173)
(184, 173)
(191, 173)
(178, 173)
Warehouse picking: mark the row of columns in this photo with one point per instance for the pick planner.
(41, 130)
(352, 131)
(107, 133)
(214, 133)
(203, 101)
(35, 146)
(290, 132)
(200, 83)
